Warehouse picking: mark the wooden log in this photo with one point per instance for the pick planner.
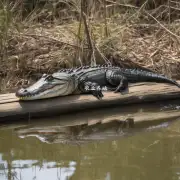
(11, 108)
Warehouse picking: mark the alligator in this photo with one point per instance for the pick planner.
(89, 80)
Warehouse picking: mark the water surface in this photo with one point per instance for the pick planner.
(151, 152)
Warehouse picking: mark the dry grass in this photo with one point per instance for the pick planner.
(121, 33)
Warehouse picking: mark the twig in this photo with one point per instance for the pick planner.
(155, 142)
(119, 4)
(169, 8)
(138, 10)
(105, 18)
(175, 2)
(79, 40)
(178, 37)
(104, 58)
(87, 31)
(93, 60)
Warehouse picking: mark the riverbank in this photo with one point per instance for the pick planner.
(126, 35)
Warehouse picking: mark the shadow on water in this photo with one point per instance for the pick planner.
(80, 146)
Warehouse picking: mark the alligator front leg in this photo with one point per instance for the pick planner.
(117, 79)
(91, 87)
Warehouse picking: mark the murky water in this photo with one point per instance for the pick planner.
(30, 152)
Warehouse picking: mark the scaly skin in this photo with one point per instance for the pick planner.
(89, 80)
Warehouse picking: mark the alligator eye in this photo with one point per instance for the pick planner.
(49, 78)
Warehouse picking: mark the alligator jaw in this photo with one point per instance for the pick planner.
(23, 94)
(28, 96)
(50, 92)
(47, 87)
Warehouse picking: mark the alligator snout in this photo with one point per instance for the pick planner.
(22, 93)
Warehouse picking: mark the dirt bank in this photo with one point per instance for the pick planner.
(125, 34)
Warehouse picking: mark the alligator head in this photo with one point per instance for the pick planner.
(57, 84)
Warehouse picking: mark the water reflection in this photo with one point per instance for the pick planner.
(27, 169)
(145, 155)
(35, 151)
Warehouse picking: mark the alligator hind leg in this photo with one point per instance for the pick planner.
(123, 86)
(117, 79)
(91, 87)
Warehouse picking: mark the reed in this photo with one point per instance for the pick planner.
(41, 38)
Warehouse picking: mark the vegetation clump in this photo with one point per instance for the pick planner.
(41, 37)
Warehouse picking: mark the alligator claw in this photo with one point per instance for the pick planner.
(98, 94)
(125, 91)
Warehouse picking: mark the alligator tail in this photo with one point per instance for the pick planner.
(145, 76)
(176, 83)
(162, 79)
